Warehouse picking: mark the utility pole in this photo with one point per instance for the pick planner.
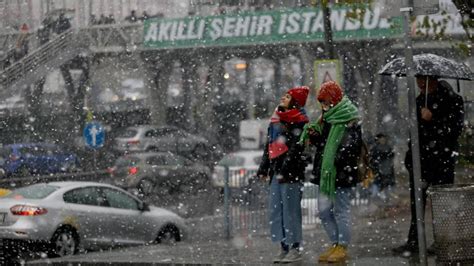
(328, 38)
(413, 127)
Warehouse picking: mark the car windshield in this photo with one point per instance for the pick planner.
(128, 133)
(232, 160)
(129, 161)
(38, 191)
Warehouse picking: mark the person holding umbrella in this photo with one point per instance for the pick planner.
(440, 114)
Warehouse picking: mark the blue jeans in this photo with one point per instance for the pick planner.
(335, 215)
(285, 212)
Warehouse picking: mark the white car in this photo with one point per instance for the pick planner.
(68, 216)
(242, 166)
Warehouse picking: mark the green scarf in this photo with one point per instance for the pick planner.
(338, 116)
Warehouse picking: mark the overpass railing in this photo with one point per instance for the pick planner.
(37, 58)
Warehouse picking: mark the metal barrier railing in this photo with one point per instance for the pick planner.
(246, 202)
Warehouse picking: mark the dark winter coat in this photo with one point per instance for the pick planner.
(62, 24)
(439, 137)
(381, 159)
(291, 165)
(346, 157)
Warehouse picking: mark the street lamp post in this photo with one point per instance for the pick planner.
(413, 127)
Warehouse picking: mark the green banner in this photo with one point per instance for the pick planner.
(278, 26)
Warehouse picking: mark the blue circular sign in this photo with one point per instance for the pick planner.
(94, 135)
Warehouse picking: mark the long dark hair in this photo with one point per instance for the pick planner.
(293, 104)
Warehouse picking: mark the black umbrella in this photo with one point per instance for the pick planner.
(429, 65)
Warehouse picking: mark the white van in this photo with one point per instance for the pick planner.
(253, 133)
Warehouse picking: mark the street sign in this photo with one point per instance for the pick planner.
(388, 8)
(327, 70)
(425, 7)
(391, 8)
(94, 135)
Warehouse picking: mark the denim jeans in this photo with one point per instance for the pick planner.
(285, 212)
(335, 215)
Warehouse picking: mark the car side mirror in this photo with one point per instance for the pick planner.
(144, 207)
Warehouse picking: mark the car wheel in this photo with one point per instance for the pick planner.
(65, 242)
(168, 235)
(146, 187)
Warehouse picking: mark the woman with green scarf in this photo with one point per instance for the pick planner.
(337, 137)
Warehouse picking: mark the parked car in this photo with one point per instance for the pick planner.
(36, 158)
(161, 173)
(165, 139)
(242, 166)
(64, 217)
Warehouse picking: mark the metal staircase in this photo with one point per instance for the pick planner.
(114, 38)
(39, 62)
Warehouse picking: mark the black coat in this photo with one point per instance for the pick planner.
(381, 159)
(347, 155)
(291, 165)
(439, 137)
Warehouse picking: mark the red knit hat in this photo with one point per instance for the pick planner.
(330, 91)
(299, 94)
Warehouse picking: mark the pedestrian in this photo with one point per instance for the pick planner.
(93, 20)
(132, 17)
(22, 43)
(102, 20)
(144, 16)
(282, 164)
(44, 30)
(62, 24)
(381, 159)
(440, 114)
(337, 138)
(111, 19)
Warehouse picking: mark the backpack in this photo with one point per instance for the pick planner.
(365, 174)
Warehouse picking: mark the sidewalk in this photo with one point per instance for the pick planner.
(374, 234)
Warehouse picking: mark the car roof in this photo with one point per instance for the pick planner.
(152, 127)
(247, 153)
(142, 155)
(33, 144)
(74, 184)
